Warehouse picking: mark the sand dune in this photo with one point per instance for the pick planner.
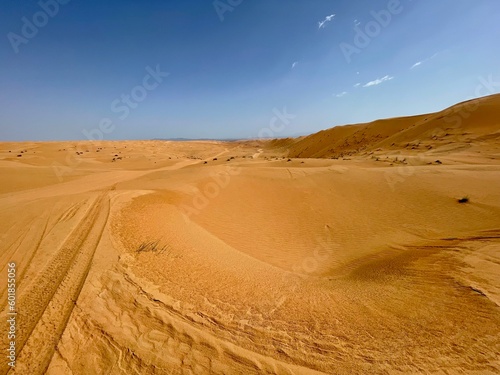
(463, 125)
(344, 252)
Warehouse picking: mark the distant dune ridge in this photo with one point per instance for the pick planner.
(361, 249)
(462, 123)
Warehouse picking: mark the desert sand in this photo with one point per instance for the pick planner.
(343, 252)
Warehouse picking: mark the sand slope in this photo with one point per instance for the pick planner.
(229, 258)
(464, 125)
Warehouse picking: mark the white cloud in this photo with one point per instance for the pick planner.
(418, 63)
(378, 81)
(357, 84)
(341, 94)
(294, 64)
(322, 24)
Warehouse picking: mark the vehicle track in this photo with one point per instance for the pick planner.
(45, 306)
(34, 253)
(9, 248)
(34, 234)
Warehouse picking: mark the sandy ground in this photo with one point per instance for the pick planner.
(157, 257)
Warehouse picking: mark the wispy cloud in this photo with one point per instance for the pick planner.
(294, 64)
(378, 81)
(322, 24)
(341, 94)
(418, 63)
(357, 85)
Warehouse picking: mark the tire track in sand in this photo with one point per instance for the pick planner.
(46, 305)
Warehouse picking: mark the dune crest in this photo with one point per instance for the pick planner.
(363, 249)
(462, 125)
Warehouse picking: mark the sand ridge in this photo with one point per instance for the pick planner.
(343, 252)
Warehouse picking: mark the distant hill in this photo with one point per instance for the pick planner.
(470, 121)
(196, 139)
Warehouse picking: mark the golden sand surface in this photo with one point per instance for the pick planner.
(343, 252)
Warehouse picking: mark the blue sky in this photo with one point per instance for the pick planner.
(231, 68)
